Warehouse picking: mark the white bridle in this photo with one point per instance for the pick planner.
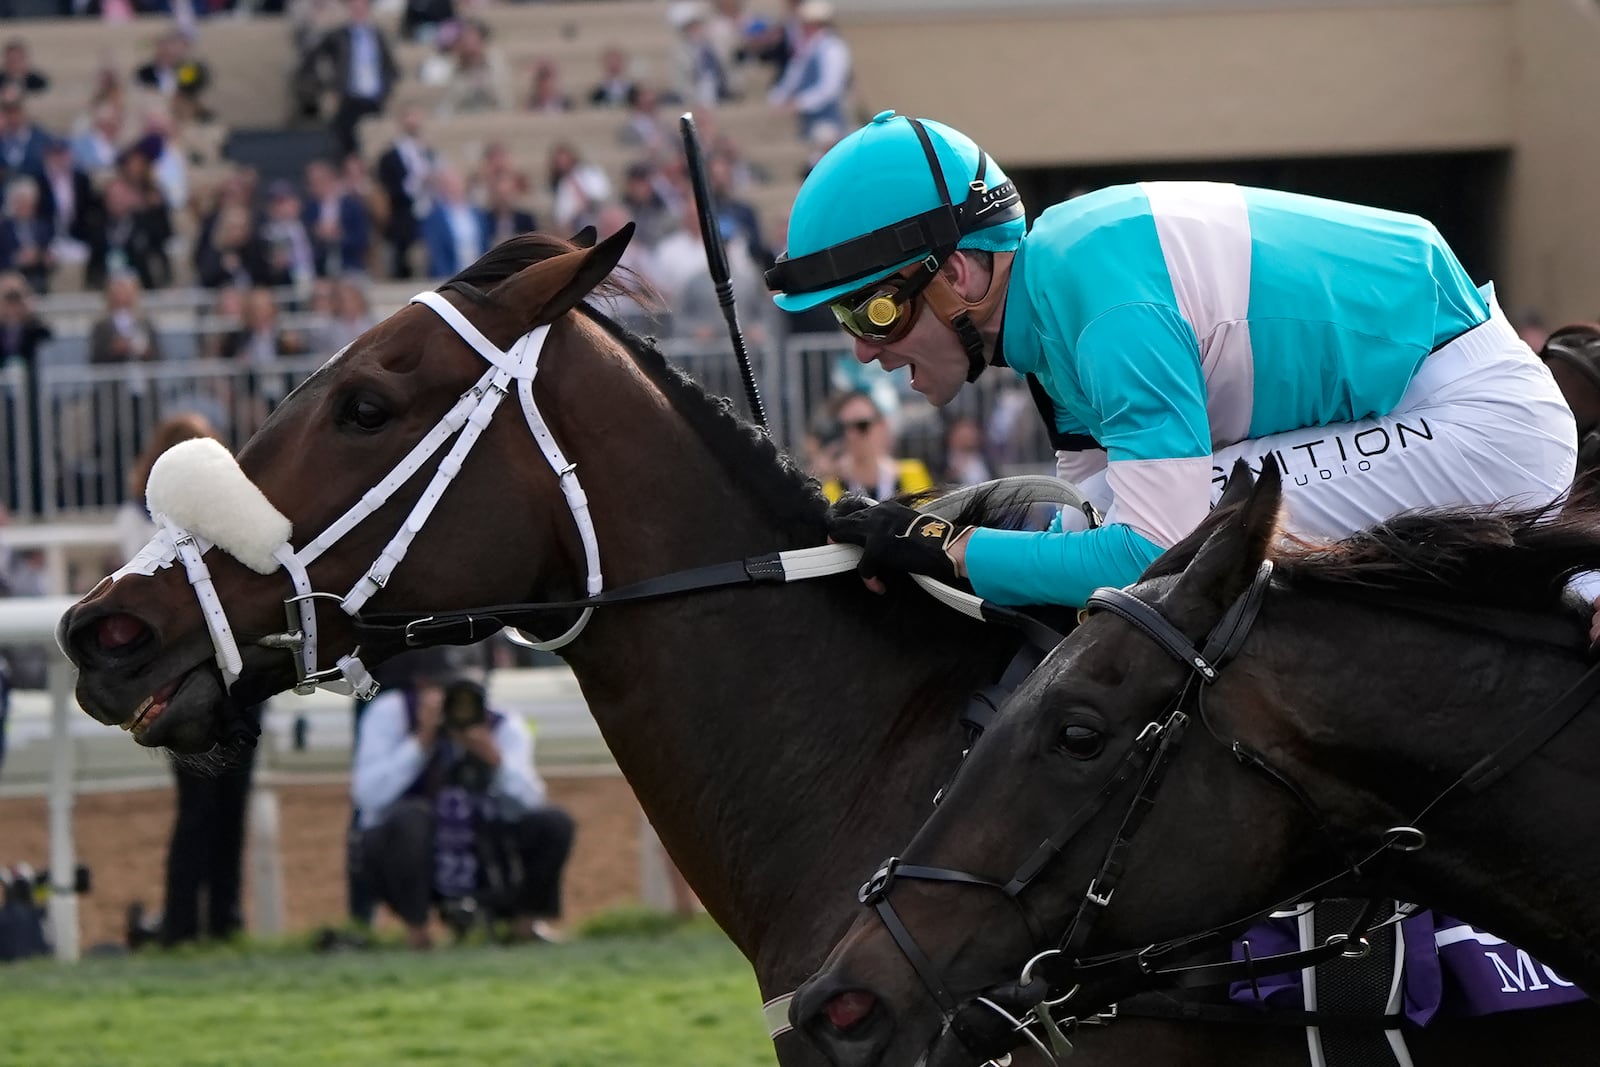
(201, 499)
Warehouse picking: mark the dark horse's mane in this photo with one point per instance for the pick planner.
(789, 494)
(1509, 559)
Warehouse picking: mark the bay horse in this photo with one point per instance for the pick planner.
(778, 737)
(1355, 689)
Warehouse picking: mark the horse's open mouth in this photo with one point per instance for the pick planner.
(180, 715)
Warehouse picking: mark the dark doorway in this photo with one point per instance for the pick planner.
(1460, 192)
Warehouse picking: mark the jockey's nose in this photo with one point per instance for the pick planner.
(866, 351)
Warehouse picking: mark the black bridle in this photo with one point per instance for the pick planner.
(1052, 977)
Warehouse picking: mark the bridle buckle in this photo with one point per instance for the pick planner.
(875, 888)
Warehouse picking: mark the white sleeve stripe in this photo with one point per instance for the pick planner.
(1162, 499)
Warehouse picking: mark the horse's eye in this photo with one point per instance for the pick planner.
(1080, 741)
(365, 413)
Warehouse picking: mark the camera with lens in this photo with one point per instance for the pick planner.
(465, 705)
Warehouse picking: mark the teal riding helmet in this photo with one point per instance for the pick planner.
(892, 193)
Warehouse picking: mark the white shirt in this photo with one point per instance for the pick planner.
(388, 760)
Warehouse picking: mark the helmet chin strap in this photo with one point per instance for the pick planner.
(965, 316)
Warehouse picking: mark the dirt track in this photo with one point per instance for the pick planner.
(123, 838)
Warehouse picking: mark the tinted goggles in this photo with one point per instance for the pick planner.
(885, 312)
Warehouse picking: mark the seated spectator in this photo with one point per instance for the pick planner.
(495, 161)
(127, 234)
(17, 69)
(867, 464)
(456, 232)
(291, 258)
(647, 315)
(226, 316)
(177, 76)
(680, 266)
(816, 82)
(123, 334)
(352, 316)
(26, 236)
(338, 222)
(505, 214)
(477, 80)
(964, 459)
(701, 77)
(736, 216)
(616, 82)
(259, 340)
(168, 169)
(96, 148)
(545, 93)
(67, 200)
(21, 141)
(646, 197)
(577, 189)
(232, 253)
(442, 784)
(642, 127)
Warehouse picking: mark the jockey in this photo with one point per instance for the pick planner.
(1167, 329)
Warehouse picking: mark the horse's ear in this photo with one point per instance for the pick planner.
(550, 288)
(1227, 562)
(586, 237)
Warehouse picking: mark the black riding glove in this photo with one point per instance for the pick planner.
(896, 538)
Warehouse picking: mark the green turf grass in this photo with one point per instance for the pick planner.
(683, 997)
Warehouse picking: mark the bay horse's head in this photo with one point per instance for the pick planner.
(1063, 736)
(335, 497)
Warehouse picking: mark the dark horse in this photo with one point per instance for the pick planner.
(778, 737)
(1378, 670)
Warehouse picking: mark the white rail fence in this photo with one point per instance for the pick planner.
(72, 430)
(55, 748)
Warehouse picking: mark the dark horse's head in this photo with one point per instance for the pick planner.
(1330, 688)
(147, 659)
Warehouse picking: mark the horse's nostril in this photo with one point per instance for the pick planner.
(117, 631)
(848, 1009)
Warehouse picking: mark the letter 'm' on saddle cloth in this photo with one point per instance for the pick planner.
(1452, 970)
(198, 486)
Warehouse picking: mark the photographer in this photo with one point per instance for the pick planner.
(437, 779)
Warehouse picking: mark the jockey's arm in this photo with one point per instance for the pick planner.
(1138, 366)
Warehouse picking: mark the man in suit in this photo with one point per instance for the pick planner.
(26, 235)
(66, 195)
(122, 237)
(362, 71)
(505, 216)
(404, 172)
(337, 221)
(616, 84)
(21, 142)
(456, 231)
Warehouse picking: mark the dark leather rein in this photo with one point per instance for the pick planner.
(1054, 976)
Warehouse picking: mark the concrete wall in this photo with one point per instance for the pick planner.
(1039, 82)
(1552, 221)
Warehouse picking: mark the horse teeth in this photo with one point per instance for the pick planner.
(138, 713)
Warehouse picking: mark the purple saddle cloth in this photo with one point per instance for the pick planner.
(1451, 970)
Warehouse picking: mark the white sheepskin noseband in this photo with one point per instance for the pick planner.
(198, 486)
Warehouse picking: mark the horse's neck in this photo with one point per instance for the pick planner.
(1375, 746)
(781, 739)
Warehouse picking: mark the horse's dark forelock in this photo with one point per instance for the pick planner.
(1502, 558)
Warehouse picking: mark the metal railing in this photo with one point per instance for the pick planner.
(72, 433)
